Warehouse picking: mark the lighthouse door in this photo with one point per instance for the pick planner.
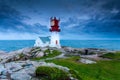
(56, 42)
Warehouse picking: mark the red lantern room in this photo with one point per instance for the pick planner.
(54, 25)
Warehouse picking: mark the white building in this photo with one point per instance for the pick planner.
(48, 41)
(42, 42)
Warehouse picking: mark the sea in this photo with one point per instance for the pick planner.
(12, 45)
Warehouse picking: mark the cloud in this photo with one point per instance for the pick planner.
(13, 20)
(18, 36)
(13, 25)
(86, 18)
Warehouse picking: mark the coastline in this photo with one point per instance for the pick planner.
(20, 61)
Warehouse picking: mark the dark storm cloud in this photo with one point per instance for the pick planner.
(101, 17)
(112, 4)
(12, 20)
(9, 17)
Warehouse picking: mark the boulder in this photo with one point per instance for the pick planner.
(87, 61)
(2, 52)
(40, 54)
(30, 70)
(26, 50)
(12, 66)
(2, 77)
(2, 68)
(35, 64)
(20, 75)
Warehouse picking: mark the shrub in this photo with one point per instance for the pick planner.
(90, 53)
(80, 52)
(21, 55)
(111, 55)
(47, 51)
(55, 51)
(52, 54)
(51, 73)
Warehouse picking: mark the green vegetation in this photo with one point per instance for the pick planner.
(21, 55)
(80, 52)
(112, 55)
(102, 70)
(50, 55)
(91, 53)
(47, 51)
(51, 73)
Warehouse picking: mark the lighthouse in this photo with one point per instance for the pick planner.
(53, 40)
(54, 29)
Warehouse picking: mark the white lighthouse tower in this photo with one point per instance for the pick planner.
(55, 38)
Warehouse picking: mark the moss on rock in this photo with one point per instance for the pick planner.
(51, 73)
(111, 55)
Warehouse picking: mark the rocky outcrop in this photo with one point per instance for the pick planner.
(22, 54)
(84, 51)
(23, 70)
(17, 65)
(29, 53)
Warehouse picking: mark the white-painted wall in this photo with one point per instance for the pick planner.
(39, 43)
(54, 37)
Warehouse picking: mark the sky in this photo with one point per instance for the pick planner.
(79, 19)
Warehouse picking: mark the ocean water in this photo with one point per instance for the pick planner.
(10, 45)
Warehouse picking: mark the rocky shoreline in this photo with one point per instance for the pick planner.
(18, 65)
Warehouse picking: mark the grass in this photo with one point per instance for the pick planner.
(51, 73)
(21, 55)
(102, 70)
(50, 55)
(47, 51)
(112, 55)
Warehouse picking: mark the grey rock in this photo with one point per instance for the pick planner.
(12, 66)
(2, 52)
(30, 71)
(4, 72)
(3, 77)
(2, 68)
(40, 54)
(87, 61)
(20, 75)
